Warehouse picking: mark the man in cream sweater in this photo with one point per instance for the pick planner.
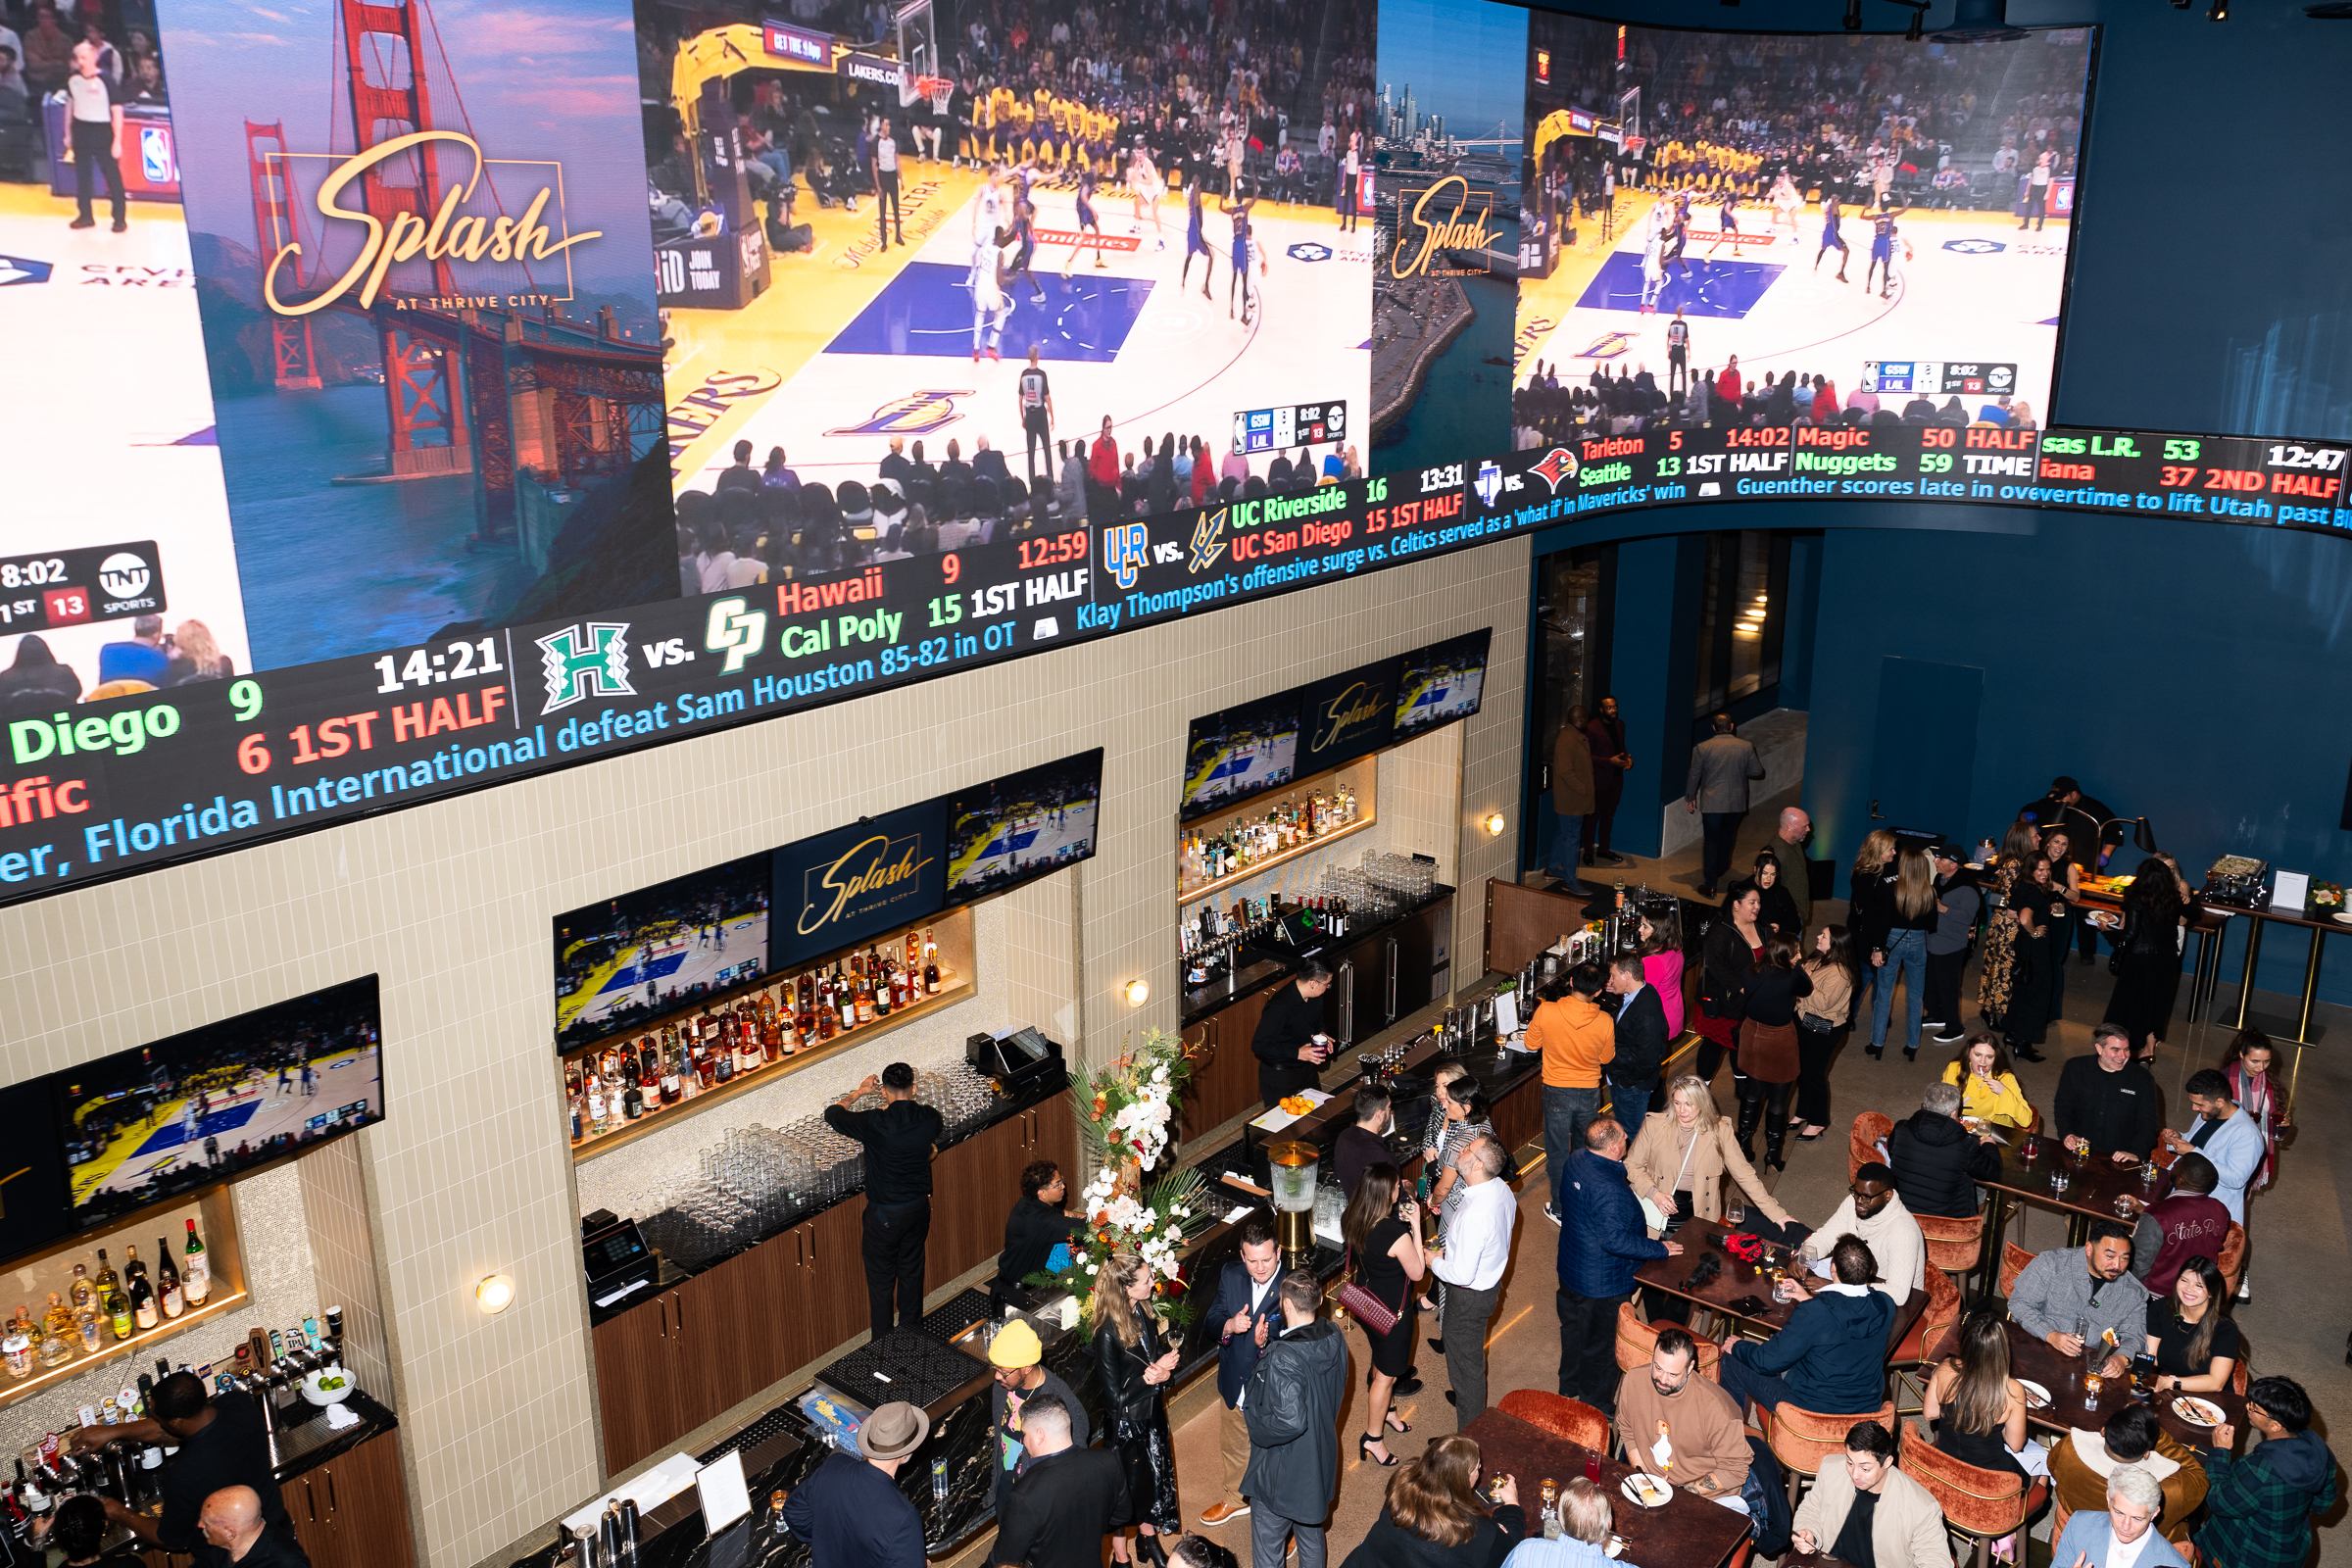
(1875, 1212)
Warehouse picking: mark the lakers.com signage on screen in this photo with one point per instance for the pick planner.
(842, 887)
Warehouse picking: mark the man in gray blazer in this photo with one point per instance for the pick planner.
(1720, 766)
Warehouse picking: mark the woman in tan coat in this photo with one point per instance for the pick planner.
(1679, 1160)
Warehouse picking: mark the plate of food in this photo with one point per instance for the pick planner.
(2198, 1413)
(2038, 1397)
(1616, 1545)
(1646, 1489)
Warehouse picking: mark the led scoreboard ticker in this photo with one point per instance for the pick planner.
(96, 790)
(2230, 480)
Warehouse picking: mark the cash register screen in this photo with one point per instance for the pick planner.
(1029, 1043)
(614, 1251)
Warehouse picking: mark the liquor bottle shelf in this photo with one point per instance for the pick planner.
(765, 1073)
(1197, 891)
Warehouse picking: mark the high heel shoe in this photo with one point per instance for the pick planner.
(1910, 1052)
(1396, 1425)
(1147, 1548)
(1363, 1451)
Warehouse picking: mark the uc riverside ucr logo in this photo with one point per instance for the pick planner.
(1489, 482)
(918, 412)
(1126, 546)
(586, 660)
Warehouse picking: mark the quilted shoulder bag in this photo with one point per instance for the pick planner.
(1375, 1314)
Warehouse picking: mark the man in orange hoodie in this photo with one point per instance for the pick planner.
(1577, 1039)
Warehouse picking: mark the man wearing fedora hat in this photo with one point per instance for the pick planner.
(852, 1512)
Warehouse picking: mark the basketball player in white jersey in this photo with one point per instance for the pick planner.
(988, 216)
(1787, 202)
(1145, 188)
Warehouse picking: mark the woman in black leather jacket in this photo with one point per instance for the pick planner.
(1135, 1361)
(2147, 953)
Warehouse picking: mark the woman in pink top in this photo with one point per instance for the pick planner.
(1662, 968)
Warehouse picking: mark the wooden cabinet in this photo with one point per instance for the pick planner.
(1227, 1080)
(636, 1384)
(836, 1274)
(353, 1511)
(973, 1185)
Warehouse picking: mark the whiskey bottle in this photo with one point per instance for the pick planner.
(133, 1268)
(166, 1279)
(197, 1265)
(915, 952)
(772, 1030)
(864, 984)
(846, 994)
(632, 1101)
(803, 1016)
(105, 1279)
(673, 1069)
(597, 1124)
(648, 1065)
(143, 1311)
(58, 1336)
(828, 1018)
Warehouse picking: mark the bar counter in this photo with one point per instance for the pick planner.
(782, 1447)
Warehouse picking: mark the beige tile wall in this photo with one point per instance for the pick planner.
(334, 1207)
(451, 904)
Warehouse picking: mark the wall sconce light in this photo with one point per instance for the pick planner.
(494, 1295)
(1495, 824)
(1138, 992)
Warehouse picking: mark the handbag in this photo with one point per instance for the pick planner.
(1375, 1314)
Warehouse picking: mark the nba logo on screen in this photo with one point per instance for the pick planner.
(155, 154)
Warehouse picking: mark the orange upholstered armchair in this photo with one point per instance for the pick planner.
(2014, 1259)
(1982, 1505)
(1573, 1419)
(1954, 1246)
(1862, 1145)
(1803, 1441)
(1637, 1338)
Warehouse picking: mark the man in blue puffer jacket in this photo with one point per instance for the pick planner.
(1603, 1240)
(1832, 1357)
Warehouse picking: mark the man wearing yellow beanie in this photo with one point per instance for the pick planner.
(1021, 1379)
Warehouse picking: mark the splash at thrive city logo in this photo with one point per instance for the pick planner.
(584, 661)
(394, 236)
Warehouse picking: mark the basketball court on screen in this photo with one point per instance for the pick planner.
(1974, 289)
(260, 1104)
(678, 956)
(852, 344)
(1032, 835)
(113, 395)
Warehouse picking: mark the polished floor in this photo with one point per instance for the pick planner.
(2295, 1324)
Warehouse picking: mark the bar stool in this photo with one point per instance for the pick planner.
(1956, 1247)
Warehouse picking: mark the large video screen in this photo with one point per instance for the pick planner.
(1802, 227)
(1026, 825)
(1441, 682)
(651, 952)
(1241, 752)
(169, 1117)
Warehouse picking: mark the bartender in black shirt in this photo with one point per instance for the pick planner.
(900, 1138)
(1289, 1045)
(1037, 1224)
(221, 1444)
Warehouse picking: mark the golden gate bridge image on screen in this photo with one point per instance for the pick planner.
(482, 375)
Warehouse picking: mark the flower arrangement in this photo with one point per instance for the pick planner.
(1125, 1115)
(2328, 897)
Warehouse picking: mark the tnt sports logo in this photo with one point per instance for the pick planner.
(1489, 482)
(1209, 540)
(1308, 251)
(1608, 346)
(584, 661)
(124, 575)
(1558, 468)
(1975, 247)
(22, 269)
(1126, 546)
(915, 413)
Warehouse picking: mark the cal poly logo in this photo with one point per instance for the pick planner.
(586, 660)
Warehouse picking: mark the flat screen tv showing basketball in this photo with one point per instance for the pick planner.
(647, 953)
(166, 1118)
(1842, 214)
(1023, 826)
(1239, 753)
(1441, 682)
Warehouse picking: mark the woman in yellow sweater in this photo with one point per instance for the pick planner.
(1988, 1083)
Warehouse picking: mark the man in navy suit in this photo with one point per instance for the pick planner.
(1247, 1312)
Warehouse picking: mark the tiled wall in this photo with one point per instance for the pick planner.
(470, 1174)
(334, 1205)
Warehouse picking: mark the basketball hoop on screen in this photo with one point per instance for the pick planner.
(935, 89)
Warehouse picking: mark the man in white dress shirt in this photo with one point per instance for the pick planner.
(1476, 1250)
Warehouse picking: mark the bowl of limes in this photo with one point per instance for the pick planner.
(328, 1385)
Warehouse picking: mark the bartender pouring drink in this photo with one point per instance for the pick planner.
(221, 1444)
(1289, 1045)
